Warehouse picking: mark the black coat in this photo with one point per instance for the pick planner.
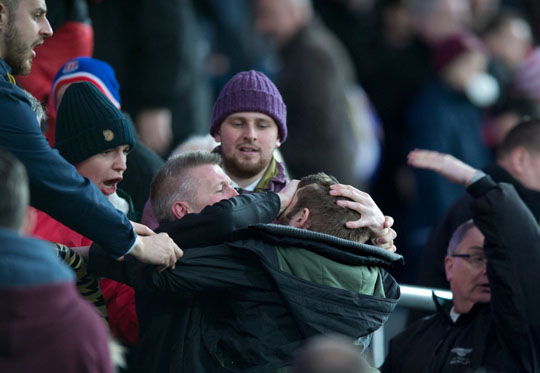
(229, 307)
(500, 336)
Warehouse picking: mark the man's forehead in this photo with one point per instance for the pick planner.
(253, 115)
(208, 174)
(34, 4)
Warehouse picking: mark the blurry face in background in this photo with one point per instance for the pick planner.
(511, 42)
(277, 19)
(482, 11)
(444, 18)
(105, 169)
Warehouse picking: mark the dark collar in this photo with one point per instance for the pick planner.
(331, 247)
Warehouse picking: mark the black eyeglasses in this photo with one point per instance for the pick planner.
(475, 260)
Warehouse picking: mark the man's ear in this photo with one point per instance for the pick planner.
(29, 221)
(217, 135)
(448, 265)
(518, 159)
(180, 209)
(300, 219)
(278, 143)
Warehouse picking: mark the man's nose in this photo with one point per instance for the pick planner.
(250, 132)
(46, 29)
(120, 163)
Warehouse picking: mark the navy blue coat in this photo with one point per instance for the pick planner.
(55, 185)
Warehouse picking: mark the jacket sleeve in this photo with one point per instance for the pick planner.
(214, 223)
(55, 185)
(512, 247)
(200, 269)
(210, 227)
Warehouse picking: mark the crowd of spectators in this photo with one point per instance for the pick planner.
(124, 249)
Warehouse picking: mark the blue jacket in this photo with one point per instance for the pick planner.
(55, 185)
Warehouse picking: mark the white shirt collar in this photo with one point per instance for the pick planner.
(250, 187)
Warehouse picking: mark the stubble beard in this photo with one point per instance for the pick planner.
(18, 55)
(244, 170)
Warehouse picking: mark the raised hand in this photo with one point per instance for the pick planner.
(444, 164)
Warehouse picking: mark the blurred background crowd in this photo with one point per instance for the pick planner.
(364, 81)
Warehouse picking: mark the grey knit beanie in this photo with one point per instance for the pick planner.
(250, 91)
(88, 123)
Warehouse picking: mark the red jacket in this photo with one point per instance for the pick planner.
(119, 298)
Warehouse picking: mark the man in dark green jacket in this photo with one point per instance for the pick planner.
(249, 303)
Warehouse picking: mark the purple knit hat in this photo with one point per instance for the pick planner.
(250, 91)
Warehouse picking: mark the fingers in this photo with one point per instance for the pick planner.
(348, 191)
(158, 249)
(388, 222)
(173, 251)
(386, 241)
(141, 229)
(178, 253)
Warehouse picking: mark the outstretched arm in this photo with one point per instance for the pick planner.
(445, 165)
(512, 249)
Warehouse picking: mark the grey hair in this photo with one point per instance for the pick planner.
(172, 183)
(458, 235)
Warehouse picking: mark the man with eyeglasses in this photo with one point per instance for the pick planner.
(492, 324)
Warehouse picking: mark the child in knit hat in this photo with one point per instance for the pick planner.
(143, 163)
(93, 135)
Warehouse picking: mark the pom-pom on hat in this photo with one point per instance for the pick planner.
(88, 123)
(250, 91)
(450, 48)
(86, 69)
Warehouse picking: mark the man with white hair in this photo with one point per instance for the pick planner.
(492, 264)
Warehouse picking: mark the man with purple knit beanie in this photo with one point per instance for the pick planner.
(250, 121)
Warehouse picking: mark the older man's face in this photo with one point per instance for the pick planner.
(213, 185)
(467, 275)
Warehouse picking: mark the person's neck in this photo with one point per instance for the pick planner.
(244, 182)
(462, 307)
